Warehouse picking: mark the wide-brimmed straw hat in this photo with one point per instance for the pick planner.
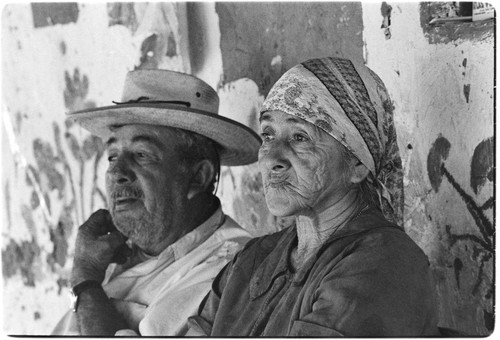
(173, 99)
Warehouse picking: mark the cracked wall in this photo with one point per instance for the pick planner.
(70, 56)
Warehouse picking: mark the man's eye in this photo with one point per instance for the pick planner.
(111, 158)
(266, 137)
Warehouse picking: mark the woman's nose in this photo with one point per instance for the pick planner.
(120, 171)
(274, 157)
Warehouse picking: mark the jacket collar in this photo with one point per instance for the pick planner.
(277, 262)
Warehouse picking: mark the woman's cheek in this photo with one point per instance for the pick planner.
(312, 172)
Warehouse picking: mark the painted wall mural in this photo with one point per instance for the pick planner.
(56, 173)
(438, 78)
(60, 57)
(477, 243)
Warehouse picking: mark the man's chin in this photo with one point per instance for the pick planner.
(126, 223)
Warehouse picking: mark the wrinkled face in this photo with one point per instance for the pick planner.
(302, 166)
(145, 185)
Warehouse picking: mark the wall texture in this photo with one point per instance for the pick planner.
(69, 56)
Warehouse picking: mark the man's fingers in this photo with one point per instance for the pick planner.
(114, 239)
(116, 243)
(99, 223)
(121, 254)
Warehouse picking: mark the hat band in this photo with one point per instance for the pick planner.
(147, 100)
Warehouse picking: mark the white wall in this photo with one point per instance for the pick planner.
(425, 79)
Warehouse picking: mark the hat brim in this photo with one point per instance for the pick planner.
(239, 144)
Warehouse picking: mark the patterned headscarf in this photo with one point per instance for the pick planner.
(350, 103)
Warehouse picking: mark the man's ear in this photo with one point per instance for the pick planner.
(359, 172)
(203, 173)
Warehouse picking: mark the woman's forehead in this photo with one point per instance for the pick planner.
(281, 117)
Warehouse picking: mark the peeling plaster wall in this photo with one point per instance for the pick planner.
(261, 41)
(441, 81)
(69, 56)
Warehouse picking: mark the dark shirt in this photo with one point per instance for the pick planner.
(368, 279)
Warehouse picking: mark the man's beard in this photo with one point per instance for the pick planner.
(144, 231)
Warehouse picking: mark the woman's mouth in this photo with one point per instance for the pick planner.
(276, 181)
(276, 184)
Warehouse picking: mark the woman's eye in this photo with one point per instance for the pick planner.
(300, 138)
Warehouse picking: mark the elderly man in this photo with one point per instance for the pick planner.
(143, 267)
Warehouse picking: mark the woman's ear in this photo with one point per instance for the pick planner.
(359, 173)
(203, 173)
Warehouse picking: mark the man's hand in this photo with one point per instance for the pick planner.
(97, 244)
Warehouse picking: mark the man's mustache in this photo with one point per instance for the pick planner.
(126, 192)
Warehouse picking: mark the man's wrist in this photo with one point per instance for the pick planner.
(79, 275)
(79, 289)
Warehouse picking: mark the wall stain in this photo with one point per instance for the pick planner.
(197, 36)
(438, 153)
(171, 46)
(34, 201)
(61, 155)
(61, 285)
(59, 238)
(48, 14)
(148, 53)
(123, 13)
(386, 10)
(62, 47)
(482, 166)
(74, 146)
(46, 165)
(466, 92)
(77, 89)
(20, 258)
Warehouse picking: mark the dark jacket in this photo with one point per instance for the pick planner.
(368, 279)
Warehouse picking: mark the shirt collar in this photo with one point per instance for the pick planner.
(176, 250)
(277, 262)
(188, 242)
(196, 237)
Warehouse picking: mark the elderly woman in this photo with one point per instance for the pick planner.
(345, 268)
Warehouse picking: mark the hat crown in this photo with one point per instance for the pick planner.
(170, 86)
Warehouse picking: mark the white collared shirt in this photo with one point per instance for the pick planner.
(157, 296)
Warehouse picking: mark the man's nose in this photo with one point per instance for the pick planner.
(120, 170)
(274, 157)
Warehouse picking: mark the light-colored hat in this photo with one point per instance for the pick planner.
(173, 99)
